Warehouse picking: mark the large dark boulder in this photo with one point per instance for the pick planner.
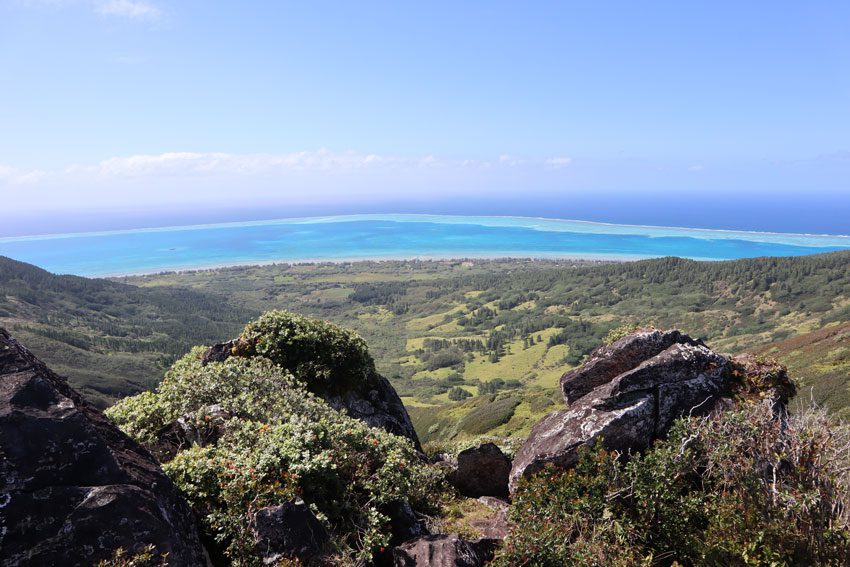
(404, 524)
(482, 470)
(373, 401)
(73, 488)
(610, 360)
(288, 531)
(444, 551)
(378, 405)
(627, 395)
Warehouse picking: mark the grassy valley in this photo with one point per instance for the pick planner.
(474, 347)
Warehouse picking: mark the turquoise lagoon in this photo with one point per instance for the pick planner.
(362, 237)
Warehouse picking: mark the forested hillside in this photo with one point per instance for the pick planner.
(473, 346)
(111, 339)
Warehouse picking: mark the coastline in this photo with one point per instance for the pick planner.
(599, 258)
(353, 238)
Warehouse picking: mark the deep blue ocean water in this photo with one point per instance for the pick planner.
(390, 236)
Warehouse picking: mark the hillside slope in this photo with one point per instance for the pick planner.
(454, 337)
(820, 361)
(110, 339)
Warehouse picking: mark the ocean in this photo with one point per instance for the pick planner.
(362, 237)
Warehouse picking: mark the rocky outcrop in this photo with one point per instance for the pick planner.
(482, 470)
(495, 526)
(73, 488)
(288, 531)
(611, 360)
(444, 551)
(374, 402)
(627, 395)
(378, 405)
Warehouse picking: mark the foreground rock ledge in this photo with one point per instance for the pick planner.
(444, 551)
(627, 394)
(73, 487)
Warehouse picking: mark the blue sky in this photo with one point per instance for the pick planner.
(118, 107)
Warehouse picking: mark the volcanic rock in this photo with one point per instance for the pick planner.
(288, 531)
(74, 488)
(482, 470)
(610, 360)
(444, 551)
(627, 395)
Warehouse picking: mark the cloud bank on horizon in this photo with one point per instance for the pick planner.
(632, 191)
(314, 177)
(305, 177)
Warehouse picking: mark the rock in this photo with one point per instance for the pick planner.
(627, 394)
(482, 471)
(610, 360)
(444, 551)
(374, 402)
(182, 433)
(218, 353)
(496, 526)
(288, 531)
(73, 487)
(404, 524)
(378, 405)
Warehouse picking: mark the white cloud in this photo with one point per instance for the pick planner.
(512, 161)
(211, 165)
(558, 162)
(696, 168)
(134, 9)
(192, 163)
(15, 176)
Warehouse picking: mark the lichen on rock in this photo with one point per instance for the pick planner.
(629, 393)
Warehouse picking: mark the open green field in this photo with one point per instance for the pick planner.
(474, 347)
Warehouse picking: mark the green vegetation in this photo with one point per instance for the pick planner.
(475, 348)
(740, 488)
(505, 327)
(147, 557)
(265, 439)
(822, 361)
(487, 415)
(321, 355)
(111, 339)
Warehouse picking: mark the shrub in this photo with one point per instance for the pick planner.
(538, 403)
(276, 441)
(146, 557)
(444, 359)
(322, 355)
(741, 488)
(624, 330)
(456, 394)
(489, 414)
